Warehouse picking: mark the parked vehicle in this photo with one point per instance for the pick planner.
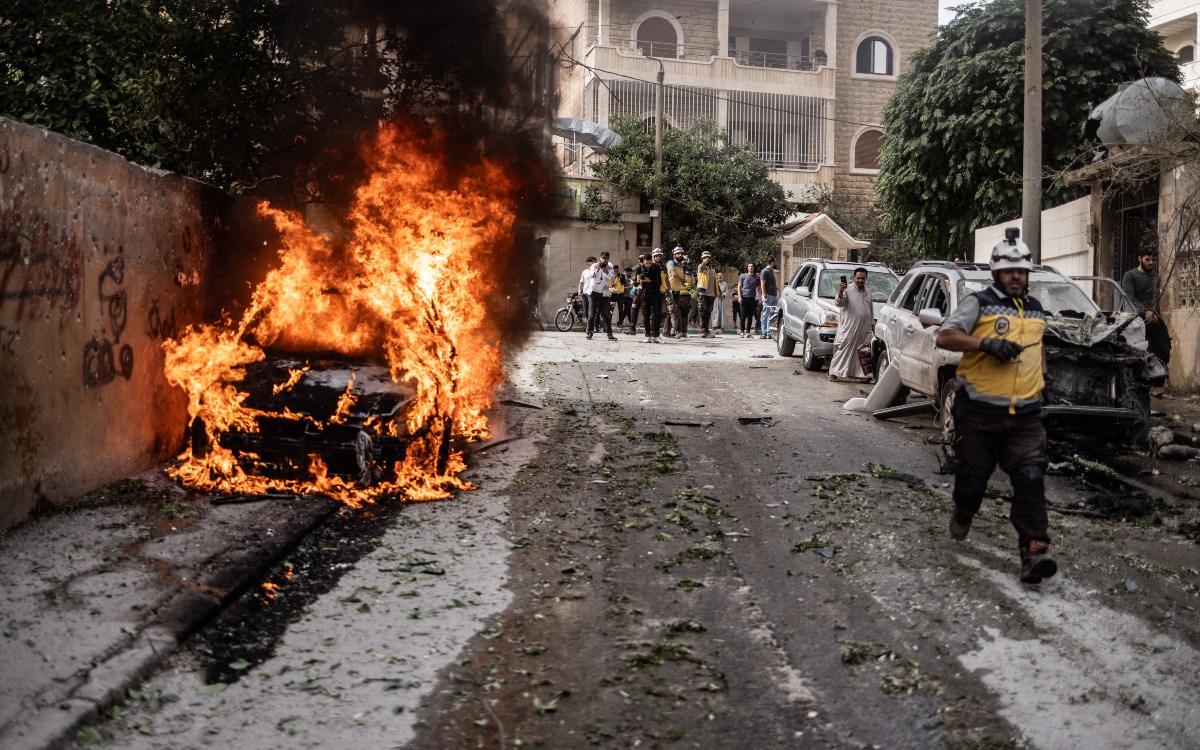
(567, 317)
(807, 313)
(1097, 358)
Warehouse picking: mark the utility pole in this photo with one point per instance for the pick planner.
(657, 218)
(1031, 168)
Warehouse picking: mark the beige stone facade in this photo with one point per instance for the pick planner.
(785, 76)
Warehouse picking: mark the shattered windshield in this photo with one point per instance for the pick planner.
(1057, 297)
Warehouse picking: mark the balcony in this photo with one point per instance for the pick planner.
(705, 68)
(779, 61)
(1189, 75)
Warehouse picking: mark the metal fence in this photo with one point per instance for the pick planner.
(787, 131)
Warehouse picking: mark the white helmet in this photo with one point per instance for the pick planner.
(1010, 252)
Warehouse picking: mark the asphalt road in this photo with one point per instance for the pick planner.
(650, 563)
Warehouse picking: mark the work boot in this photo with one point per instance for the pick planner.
(1036, 562)
(612, 337)
(960, 525)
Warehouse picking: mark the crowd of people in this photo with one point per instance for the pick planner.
(671, 297)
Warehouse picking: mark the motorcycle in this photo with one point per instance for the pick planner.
(566, 317)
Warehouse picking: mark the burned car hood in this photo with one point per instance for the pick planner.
(1098, 337)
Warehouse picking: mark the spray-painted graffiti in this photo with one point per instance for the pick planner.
(101, 367)
(38, 267)
(158, 325)
(8, 340)
(103, 360)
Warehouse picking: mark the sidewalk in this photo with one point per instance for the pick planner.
(95, 596)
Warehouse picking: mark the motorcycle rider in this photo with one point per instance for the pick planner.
(998, 403)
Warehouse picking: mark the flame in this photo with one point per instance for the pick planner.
(293, 378)
(409, 284)
(270, 592)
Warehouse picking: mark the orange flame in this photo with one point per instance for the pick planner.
(409, 285)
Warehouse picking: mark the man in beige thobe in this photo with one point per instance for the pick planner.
(855, 327)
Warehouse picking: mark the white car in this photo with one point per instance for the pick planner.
(1097, 359)
(807, 314)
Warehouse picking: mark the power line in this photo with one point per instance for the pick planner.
(718, 97)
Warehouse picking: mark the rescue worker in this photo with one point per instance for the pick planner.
(998, 403)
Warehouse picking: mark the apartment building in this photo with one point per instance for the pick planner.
(1177, 21)
(802, 81)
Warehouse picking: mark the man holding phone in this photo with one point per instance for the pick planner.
(856, 326)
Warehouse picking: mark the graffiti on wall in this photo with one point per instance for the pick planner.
(8, 339)
(104, 359)
(159, 325)
(40, 270)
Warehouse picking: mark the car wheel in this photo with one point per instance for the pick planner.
(945, 411)
(786, 344)
(882, 360)
(1140, 430)
(811, 362)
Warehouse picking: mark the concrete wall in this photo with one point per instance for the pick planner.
(1065, 238)
(100, 260)
(1179, 267)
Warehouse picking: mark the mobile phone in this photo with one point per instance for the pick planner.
(843, 279)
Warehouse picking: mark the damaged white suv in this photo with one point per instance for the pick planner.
(1096, 354)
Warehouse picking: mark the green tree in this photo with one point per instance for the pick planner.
(951, 159)
(716, 196)
(271, 94)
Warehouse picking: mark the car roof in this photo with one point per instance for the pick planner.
(848, 263)
(975, 271)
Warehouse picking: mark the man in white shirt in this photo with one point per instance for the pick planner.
(600, 286)
(584, 287)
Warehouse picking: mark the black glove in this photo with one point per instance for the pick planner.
(1002, 349)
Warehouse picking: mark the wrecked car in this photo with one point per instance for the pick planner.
(1097, 358)
(328, 408)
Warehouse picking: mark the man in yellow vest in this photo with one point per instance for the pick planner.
(706, 287)
(998, 403)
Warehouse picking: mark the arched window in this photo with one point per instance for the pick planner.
(875, 57)
(865, 151)
(656, 38)
(1186, 54)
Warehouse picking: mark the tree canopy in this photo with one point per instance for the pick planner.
(716, 196)
(277, 94)
(952, 153)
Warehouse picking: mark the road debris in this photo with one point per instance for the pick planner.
(764, 421)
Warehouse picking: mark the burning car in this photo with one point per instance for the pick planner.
(333, 409)
(1098, 361)
(328, 421)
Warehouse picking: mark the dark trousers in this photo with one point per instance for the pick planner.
(1160, 345)
(623, 305)
(599, 314)
(652, 310)
(637, 307)
(706, 306)
(1017, 442)
(683, 305)
(748, 308)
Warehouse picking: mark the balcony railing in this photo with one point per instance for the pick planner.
(779, 61)
(664, 50)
